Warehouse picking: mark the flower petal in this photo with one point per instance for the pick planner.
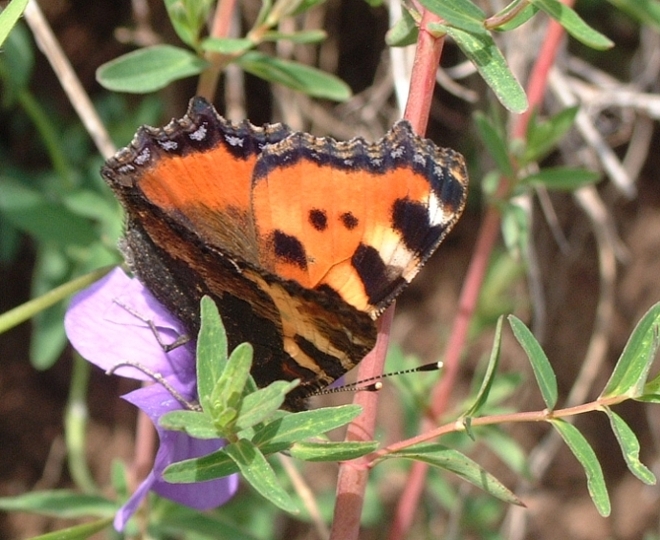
(103, 330)
(175, 446)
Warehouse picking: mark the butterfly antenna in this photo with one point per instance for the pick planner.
(373, 384)
(157, 377)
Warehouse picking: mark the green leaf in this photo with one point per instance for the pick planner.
(227, 45)
(149, 69)
(562, 178)
(506, 448)
(545, 376)
(9, 17)
(303, 36)
(495, 143)
(574, 24)
(515, 229)
(178, 521)
(215, 465)
(260, 405)
(543, 135)
(630, 373)
(276, 436)
(306, 79)
(629, 447)
(491, 369)
(291, 428)
(60, 503)
(454, 461)
(228, 392)
(404, 32)
(78, 532)
(30, 211)
(196, 424)
(332, 451)
(518, 20)
(260, 475)
(646, 12)
(487, 58)
(587, 458)
(16, 69)
(188, 18)
(211, 351)
(461, 14)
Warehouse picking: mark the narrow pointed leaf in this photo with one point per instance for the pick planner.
(260, 405)
(629, 447)
(495, 143)
(196, 424)
(215, 465)
(404, 32)
(562, 178)
(260, 475)
(9, 17)
(491, 65)
(630, 373)
(454, 461)
(574, 24)
(587, 458)
(332, 451)
(188, 18)
(646, 12)
(545, 376)
(211, 351)
(543, 135)
(228, 390)
(178, 521)
(306, 79)
(304, 36)
(291, 428)
(491, 369)
(59, 503)
(227, 45)
(149, 69)
(461, 14)
(521, 18)
(78, 532)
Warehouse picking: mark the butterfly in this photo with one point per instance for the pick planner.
(301, 241)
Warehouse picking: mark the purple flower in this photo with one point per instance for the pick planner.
(106, 333)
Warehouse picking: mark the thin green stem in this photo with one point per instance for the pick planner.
(26, 311)
(75, 425)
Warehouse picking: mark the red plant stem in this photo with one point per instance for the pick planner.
(538, 78)
(353, 476)
(208, 80)
(536, 86)
(422, 81)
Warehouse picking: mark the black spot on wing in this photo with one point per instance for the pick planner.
(289, 249)
(411, 219)
(349, 220)
(380, 281)
(318, 219)
(329, 292)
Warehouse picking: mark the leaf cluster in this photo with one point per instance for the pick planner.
(250, 419)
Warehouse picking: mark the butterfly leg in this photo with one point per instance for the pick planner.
(182, 339)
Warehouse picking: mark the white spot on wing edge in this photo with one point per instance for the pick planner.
(143, 157)
(199, 134)
(168, 146)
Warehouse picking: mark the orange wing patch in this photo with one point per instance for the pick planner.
(356, 218)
